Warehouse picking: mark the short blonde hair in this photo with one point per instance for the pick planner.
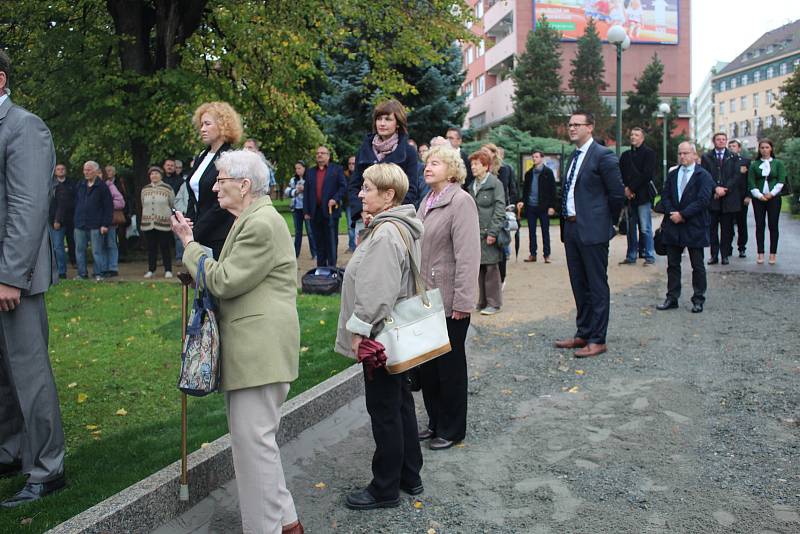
(497, 161)
(456, 172)
(228, 121)
(387, 176)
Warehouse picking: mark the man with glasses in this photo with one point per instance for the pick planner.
(686, 197)
(592, 197)
(322, 205)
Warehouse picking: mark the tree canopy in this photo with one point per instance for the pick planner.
(587, 77)
(119, 80)
(789, 104)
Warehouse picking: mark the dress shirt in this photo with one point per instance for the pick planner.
(689, 170)
(3, 97)
(194, 181)
(578, 162)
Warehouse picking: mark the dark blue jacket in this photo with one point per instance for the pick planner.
(693, 207)
(334, 187)
(599, 196)
(93, 206)
(404, 155)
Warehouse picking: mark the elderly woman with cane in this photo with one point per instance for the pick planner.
(254, 280)
(377, 276)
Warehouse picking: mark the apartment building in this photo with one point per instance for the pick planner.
(502, 28)
(747, 90)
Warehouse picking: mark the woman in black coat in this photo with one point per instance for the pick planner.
(219, 127)
(388, 143)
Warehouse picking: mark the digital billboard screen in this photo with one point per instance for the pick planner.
(645, 21)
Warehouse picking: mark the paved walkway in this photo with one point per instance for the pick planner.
(629, 442)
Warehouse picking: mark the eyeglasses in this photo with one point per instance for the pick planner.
(576, 124)
(220, 180)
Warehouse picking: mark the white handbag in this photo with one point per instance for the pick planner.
(416, 330)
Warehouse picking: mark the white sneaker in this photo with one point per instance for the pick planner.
(489, 310)
(148, 274)
(168, 274)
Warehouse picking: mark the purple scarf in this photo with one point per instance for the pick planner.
(384, 148)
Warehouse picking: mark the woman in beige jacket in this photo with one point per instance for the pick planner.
(451, 259)
(377, 276)
(255, 281)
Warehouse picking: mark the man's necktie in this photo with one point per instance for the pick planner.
(684, 179)
(568, 183)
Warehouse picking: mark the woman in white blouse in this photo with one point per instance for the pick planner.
(766, 180)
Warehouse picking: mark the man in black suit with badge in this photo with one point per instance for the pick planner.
(685, 198)
(592, 197)
(743, 164)
(726, 201)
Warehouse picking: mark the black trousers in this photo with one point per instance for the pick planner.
(533, 214)
(741, 228)
(771, 211)
(588, 275)
(674, 273)
(70, 233)
(325, 237)
(721, 233)
(398, 457)
(156, 239)
(444, 385)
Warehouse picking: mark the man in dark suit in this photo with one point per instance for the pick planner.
(592, 197)
(743, 164)
(726, 201)
(539, 201)
(638, 165)
(31, 435)
(686, 197)
(322, 203)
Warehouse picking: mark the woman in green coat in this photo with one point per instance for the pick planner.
(255, 282)
(765, 180)
(490, 197)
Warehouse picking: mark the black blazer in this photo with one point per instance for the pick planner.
(599, 196)
(638, 166)
(743, 162)
(211, 222)
(403, 155)
(726, 175)
(547, 188)
(334, 187)
(693, 207)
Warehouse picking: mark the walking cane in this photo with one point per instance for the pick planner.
(186, 281)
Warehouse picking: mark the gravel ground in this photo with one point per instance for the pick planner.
(689, 424)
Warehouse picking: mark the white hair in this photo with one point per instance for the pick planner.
(93, 164)
(241, 164)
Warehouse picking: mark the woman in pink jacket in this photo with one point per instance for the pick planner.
(451, 257)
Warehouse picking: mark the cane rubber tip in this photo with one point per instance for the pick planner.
(184, 496)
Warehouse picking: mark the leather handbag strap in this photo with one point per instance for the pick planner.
(419, 286)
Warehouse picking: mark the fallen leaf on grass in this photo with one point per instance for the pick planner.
(204, 445)
(148, 312)
(121, 411)
(91, 427)
(417, 504)
(26, 521)
(82, 397)
(322, 322)
(72, 384)
(97, 433)
(320, 485)
(303, 349)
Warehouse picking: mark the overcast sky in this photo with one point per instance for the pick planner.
(722, 29)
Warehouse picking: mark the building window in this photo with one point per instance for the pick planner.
(479, 9)
(732, 105)
(481, 48)
(733, 83)
(770, 72)
(784, 69)
(770, 97)
(722, 108)
(757, 76)
(744, 128)
(781, 121)
(796, 62)
(734, 130)
(756, 53)
(755, 100)
(744, 79)
(469, 55)
(722, 85)
(769, 121)
(743, 103)
(468, 91)
(481, 84)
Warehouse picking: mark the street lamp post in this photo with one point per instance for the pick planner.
(619, 38)
(664, 109)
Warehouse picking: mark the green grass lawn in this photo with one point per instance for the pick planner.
(283, 208)
(115, 351)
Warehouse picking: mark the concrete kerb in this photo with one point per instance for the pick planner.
(153, 501)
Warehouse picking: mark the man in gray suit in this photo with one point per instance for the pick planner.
(31, 437)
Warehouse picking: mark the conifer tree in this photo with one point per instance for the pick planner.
(538, 98)
(644, 100)
(587, 78)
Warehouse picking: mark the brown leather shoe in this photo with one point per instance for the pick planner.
(294, 528)
(592, 349)
(571, 343)
(530, 259)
